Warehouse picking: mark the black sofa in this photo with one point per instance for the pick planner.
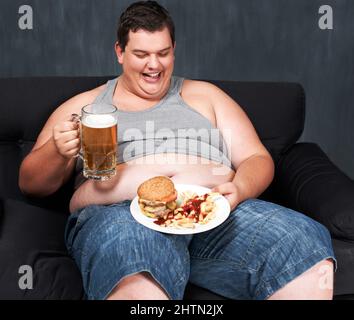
(31, 230)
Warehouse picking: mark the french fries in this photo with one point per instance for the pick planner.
(193, 210)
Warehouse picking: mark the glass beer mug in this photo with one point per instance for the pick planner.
(98, 133)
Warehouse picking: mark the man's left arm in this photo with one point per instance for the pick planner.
(253, 163)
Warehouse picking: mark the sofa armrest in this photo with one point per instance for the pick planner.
(307, 181)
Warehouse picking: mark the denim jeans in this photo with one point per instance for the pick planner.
(256, 251)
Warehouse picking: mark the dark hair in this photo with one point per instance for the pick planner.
(145, 15)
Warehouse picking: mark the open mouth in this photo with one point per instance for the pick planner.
(152, 76)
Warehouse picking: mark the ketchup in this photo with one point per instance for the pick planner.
(160, 221)
(192, 204)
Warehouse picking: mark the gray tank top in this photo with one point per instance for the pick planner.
(171, 126)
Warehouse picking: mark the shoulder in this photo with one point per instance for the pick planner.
(209, 92)
(207, 98)
(206, 91)
(197, 95)
(198, 86)
(203, 90)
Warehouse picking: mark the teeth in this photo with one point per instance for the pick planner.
(152, 75)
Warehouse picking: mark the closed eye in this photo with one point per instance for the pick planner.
(164, 54)
(141, 55)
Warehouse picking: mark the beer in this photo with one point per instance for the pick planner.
(99, 145)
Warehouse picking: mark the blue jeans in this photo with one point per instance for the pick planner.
(256, 251)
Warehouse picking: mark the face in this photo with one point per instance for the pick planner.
(147, 63)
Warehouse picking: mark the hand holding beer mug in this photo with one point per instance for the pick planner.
(98, 134)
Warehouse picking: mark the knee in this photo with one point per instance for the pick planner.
(140, 286)
(325, 271)
(316, 283)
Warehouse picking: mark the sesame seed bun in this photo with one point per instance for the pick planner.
(158, 188)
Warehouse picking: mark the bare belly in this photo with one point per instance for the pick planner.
(180, 168)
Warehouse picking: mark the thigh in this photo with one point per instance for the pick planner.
(108, 245)
(257, 250)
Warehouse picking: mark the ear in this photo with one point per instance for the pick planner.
(174, 48)
(119, 52)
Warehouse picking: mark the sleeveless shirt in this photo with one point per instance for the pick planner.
(170, 126)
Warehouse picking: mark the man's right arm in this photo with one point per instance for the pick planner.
(52, 160)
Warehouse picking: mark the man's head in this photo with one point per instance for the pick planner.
(144, 15)
(145, 49)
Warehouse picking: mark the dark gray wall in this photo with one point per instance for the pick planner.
(270, 40)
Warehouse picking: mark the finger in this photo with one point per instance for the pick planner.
(74, 117)
(68, 136)
(72, 144)
(73, 152)
(68, 126)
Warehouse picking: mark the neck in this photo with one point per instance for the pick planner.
(126, 88)
(126, 97)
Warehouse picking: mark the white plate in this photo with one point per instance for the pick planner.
(222, 211)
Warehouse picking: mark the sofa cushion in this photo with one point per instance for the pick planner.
(34, 236)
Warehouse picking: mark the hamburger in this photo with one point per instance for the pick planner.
(157, 197)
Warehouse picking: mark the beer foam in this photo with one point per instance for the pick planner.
(99, 121)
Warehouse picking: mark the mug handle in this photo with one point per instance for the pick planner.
(77, 119)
